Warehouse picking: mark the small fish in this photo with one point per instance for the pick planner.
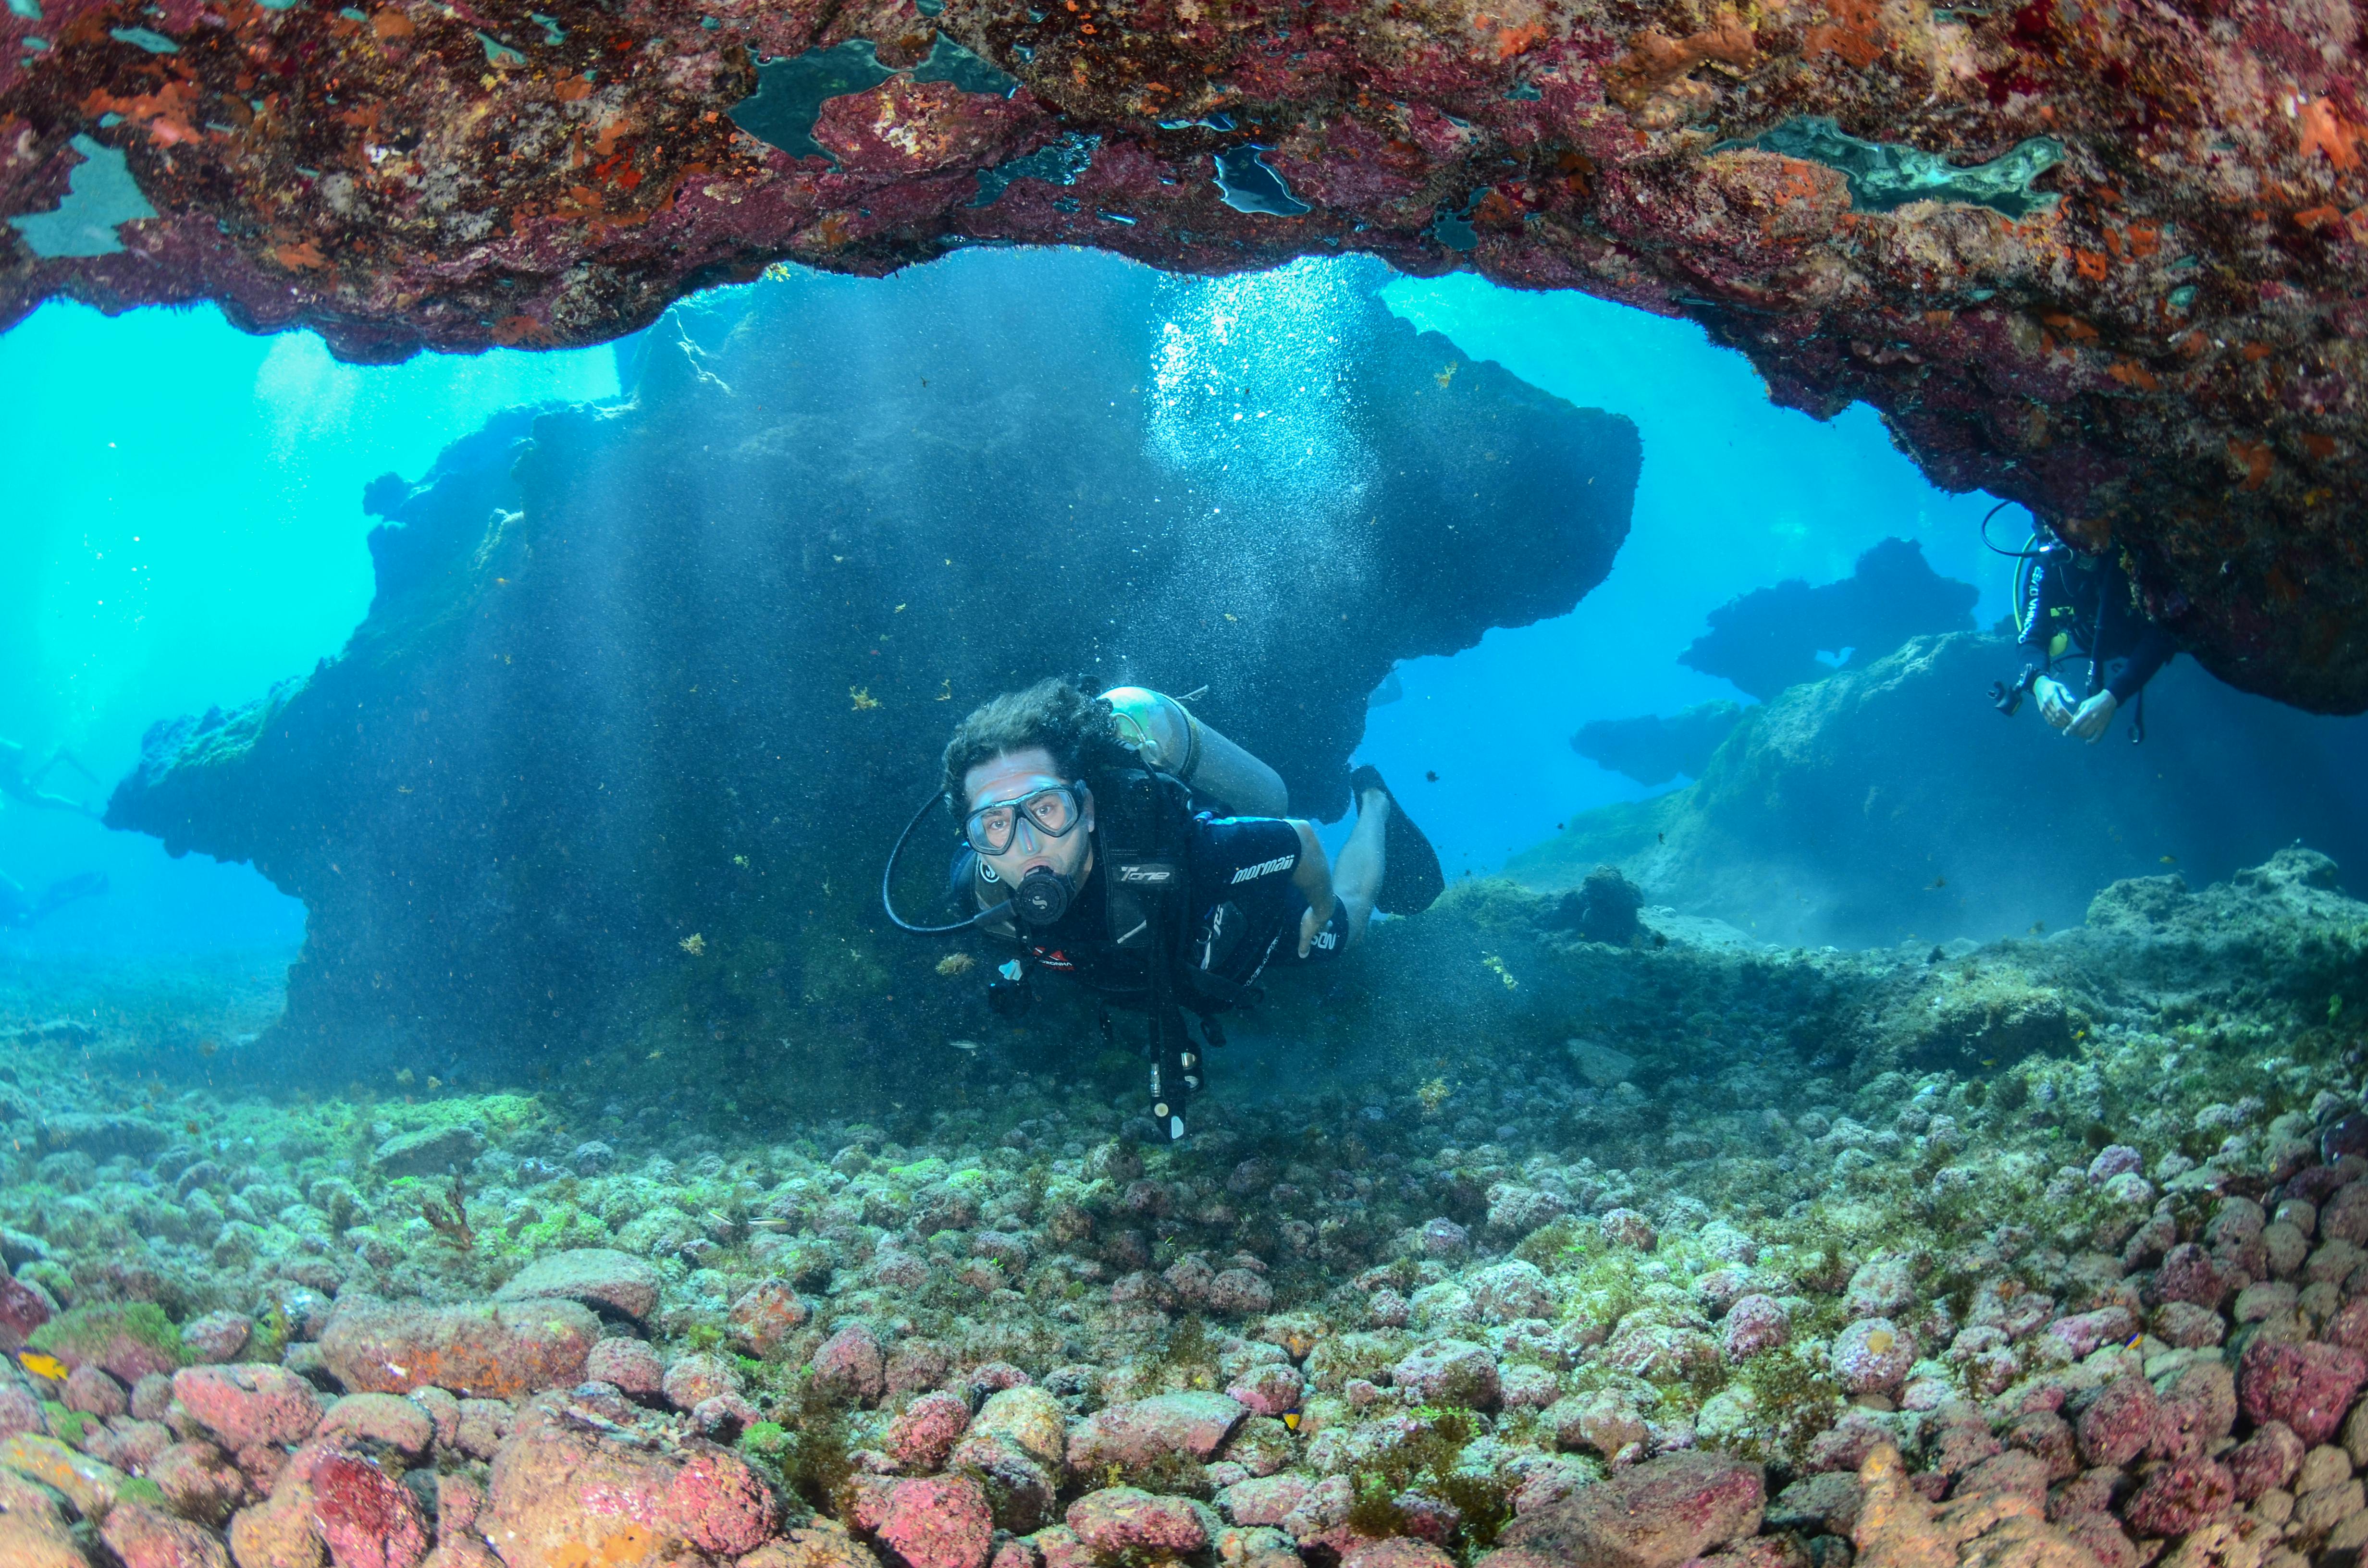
(741, 861)
(434, 1083)
(695, 944)
(965, 1046)
(769, 1224)
(2037, 926)
(1430, 778)
(2169, 860)
(653, 1056)
(1661, 838)
(42, 1365)
(1938, 882)
(207, 1047)
(1291, 1419)
(956, 963)
(860, 698)
(2132, 1342)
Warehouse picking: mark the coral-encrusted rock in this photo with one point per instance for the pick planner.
(940, 1522)
(717, 1503)
(597, 1277)
(23, 1309)
(1627, 1228)
(1239, 1292)
(2308, 1387)
(1120, 1521)
(2121, 1424)
(822, 1543)
(217, 1336)
(143, 1538)
(501, 1351)
(93, 1391)
(2186, 1327)
(366, 1517)
(1879, 1288)
(1510, 1291)
(1134, 1435)
(1272, 1389)
(2264, 1461)
(279, 1531)
(2186, 1275)
(2179, 1497)
(1397, 1551)
(927, 1432)
(1753, 1323)
(1871, 1355)
(1898, 1528)
(1659, 1513)
(249, 1403)
(630, 1366)
(562, 1496)
(2201, 1407)
(380, 1421)
(765, 1315)
(1269, 1500)
(852, 1362)
(199, 1482)
(1452, 1372)
(33, 1533)
(1606, 1420)
(1029, 1419)
(2083, 1332)
(692, 1380)
(432, 1151)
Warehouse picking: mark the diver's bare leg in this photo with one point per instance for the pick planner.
(28, 788)
(1356, 874)
(57, 757)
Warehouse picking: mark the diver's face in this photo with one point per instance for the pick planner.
(1011, 777)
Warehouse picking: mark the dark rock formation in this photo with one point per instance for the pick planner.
(1652, 749)
(2105, 261)
(1769, 639)
(1890, 800)
(1600, 909)
(648, 689)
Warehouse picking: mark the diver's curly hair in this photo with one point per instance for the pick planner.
(1079, 731)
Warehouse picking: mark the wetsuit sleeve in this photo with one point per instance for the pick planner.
(2035, 611)
(2150, 648)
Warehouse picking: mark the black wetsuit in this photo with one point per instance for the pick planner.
(2088, 607)
(1244, 911)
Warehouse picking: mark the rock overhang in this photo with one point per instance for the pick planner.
(2133, 312)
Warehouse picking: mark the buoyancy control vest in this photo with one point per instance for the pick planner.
(1139, 962)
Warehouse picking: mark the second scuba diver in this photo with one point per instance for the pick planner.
(2068, 604)
(1093, 843)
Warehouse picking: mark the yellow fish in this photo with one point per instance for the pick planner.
(42, 1365)
(1291, 1419)
(2169, 860)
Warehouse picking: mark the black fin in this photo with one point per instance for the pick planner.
(1411, 880)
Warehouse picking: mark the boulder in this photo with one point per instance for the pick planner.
(938, 1522)
(1029, 1418)
(1654, 1515)
(248, 1404)
(366, 1517)
(1450, 1371)
(599, 1277)
(1134, 1435)
(1121, 1522)
(2308, 1387)
(502, 1351)
(430, 1151)
(143, 1538)
(562, 1496)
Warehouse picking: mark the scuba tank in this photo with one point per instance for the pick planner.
(1163, 733)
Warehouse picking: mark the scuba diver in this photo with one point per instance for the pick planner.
(20, 911)
(1119, 840)
(21, 783)
(2068, 603)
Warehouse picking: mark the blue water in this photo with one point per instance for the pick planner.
(185, 538)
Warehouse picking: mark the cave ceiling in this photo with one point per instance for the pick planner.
(2105, 258)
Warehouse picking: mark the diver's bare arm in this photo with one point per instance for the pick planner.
(1311, 876)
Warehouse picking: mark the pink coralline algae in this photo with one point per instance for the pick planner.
(2307, 1387)
(1871, 1355)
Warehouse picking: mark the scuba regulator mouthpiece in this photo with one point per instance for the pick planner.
(1042, 897)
